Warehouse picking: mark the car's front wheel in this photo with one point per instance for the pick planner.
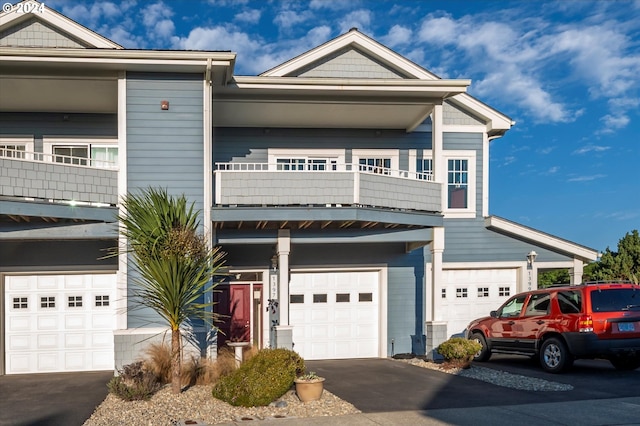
(483, 354)
(625, 363)
(554, 355)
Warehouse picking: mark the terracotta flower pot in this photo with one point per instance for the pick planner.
(309, 389)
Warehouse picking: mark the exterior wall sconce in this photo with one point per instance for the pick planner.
(531, 257)
(164, 105)
(274, 262)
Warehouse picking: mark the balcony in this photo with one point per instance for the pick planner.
(262, 184)
(54, 178)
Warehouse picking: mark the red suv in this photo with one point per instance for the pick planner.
(560, 324)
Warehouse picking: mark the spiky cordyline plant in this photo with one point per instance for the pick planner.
(175, 265)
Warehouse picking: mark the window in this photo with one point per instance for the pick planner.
(504, 291)
(424, 168)
(48, 302)
(310, 164)
(12, 151)
(513, 307)
(375, 165)
(444, 293)
(365, 297)
(320, 298)
(570, 302)
(75, 301)
(483, 291)
(539, 304)
(461, 292)
(102, 300)
(296, 298)
(96, 152)
(342, 297)
(458, 183)
(20, 303)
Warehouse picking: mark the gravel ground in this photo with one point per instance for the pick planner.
(496, 377)
(197, 404)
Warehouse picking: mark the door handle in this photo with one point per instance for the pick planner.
(539, 322)
(511, 322)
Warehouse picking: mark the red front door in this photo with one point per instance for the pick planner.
(234, 303)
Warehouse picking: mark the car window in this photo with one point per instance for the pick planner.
(539, 304)
(615, 299)
(513, 307)
(570, 302)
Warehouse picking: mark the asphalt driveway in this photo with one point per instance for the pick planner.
(66, 399)
(382, 385)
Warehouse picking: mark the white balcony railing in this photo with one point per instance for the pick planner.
(40, 157)
(278, 167)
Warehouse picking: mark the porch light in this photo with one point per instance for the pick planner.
(531, 257)
(274, 262)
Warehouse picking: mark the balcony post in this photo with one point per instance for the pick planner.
(439, 167)
(284, 248)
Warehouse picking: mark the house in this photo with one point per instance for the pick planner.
(348, 186)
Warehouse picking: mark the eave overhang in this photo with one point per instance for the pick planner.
(534, 236)
(330, 102)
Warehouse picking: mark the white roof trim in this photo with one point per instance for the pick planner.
(581, 252)
(57, 20)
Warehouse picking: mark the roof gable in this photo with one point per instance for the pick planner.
(323, 60)
(44, 27)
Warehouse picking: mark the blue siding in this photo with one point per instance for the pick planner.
(165, 149)
(58, 125)
(467, 240)
(250, 145)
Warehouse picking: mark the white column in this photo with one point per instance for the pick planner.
(576, 272)
(438, 164)
(284, 248)
(122, 276)
(437, 248)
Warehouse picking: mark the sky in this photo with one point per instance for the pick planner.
(567, 72)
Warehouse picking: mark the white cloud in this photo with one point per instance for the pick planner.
(251, 16)
(438, 30)
(333, 4)
(286, 19)
(552, 170)
(360, 19)
(586, 178)
(590, 148)
(612, 123)
(398, 35)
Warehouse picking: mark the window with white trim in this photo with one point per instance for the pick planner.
(424, 168)
(83, 152)
(461, 183)
(307, 164)
(458, 183)
(16, 147)
(504, 291)
(483, 291)
(375, 165)
(461, 292)
(20, 303)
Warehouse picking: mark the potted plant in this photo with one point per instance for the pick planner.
(309, 387)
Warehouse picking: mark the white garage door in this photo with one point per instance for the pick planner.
(59, 323)
(335, 314)
(473, 293)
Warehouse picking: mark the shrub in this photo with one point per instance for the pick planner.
(260, 380)
(158, 361)
(134, 383)
(459, 350)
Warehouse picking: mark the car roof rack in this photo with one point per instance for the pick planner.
(608, 282)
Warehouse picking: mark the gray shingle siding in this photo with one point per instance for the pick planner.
(35, 33)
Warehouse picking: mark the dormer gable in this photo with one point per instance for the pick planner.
(32, 24)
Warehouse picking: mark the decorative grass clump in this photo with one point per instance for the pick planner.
(260, 380)
(458, 351)
(134, 383)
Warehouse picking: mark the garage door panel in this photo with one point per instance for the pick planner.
(55, 323)
(328, 330)
(459, 311)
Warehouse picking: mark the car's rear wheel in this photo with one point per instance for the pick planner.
(625, 363)
(483, 354)
(554, 355)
